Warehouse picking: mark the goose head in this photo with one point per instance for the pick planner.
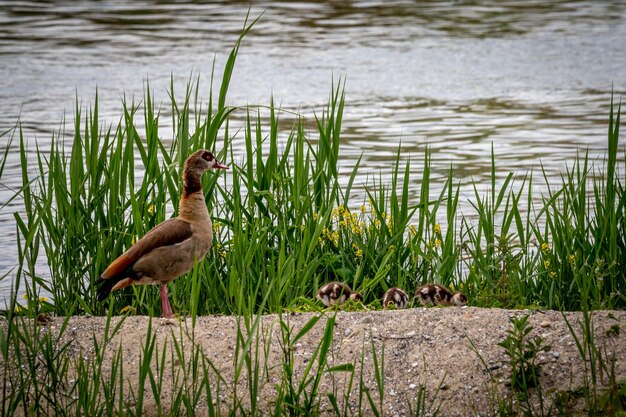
(355, 296)
(202, 161)
(459, 299)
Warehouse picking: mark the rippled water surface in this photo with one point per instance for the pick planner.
(532, 78)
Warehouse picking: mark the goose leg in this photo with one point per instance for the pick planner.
(166, 308)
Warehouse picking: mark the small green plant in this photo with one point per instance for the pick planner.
(602, 398)
(522, 350)
(379, 377)
(613, 330)
(423, 407)
(300, 396)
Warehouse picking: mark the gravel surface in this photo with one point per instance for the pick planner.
(422, 346)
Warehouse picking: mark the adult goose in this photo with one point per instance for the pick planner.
(172, 247)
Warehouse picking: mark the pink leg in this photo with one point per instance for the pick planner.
(166, 308)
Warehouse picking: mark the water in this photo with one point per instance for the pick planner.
(533, 79)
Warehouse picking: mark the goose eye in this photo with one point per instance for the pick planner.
(207, 156)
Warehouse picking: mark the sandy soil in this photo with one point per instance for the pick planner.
(429, 346)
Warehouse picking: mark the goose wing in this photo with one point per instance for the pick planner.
(170, 232)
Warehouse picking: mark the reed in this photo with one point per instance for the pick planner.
(284, 225)
(43, 375)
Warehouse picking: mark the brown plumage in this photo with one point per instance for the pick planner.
(395, 296)
(434, 294)
(336, 293)
(173, 247)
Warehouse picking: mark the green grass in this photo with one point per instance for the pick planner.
(284, 225)
(43, 374)
(524, 394)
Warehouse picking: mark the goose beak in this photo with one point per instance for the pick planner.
(219, 165)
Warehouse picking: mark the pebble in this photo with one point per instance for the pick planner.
(347, 332)
(412, 386)
(545, 323)
(555, 354)
(366, 319)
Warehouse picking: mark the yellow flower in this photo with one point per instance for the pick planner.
(552, 274)
(343, 224)
(151, 209)
(572, 259)
(438, 243)
(25, 296)
(335, 238)
(546, 264)
(412, 230)
(363, 209)
(358, 252)
(43, 299)
(392, 248)
(356, 229)
(133, 240)
(216, 226)
(316, 216)
(437, 228)
(545, 247)
(128, 309)
(377, 223)
(18, 309)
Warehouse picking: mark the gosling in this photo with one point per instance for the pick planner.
(337, 293)
(395, 297)
(434, 294)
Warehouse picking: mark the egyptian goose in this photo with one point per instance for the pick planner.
(337, 293)
(172, 247)
(433, 294)
(395, 296)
